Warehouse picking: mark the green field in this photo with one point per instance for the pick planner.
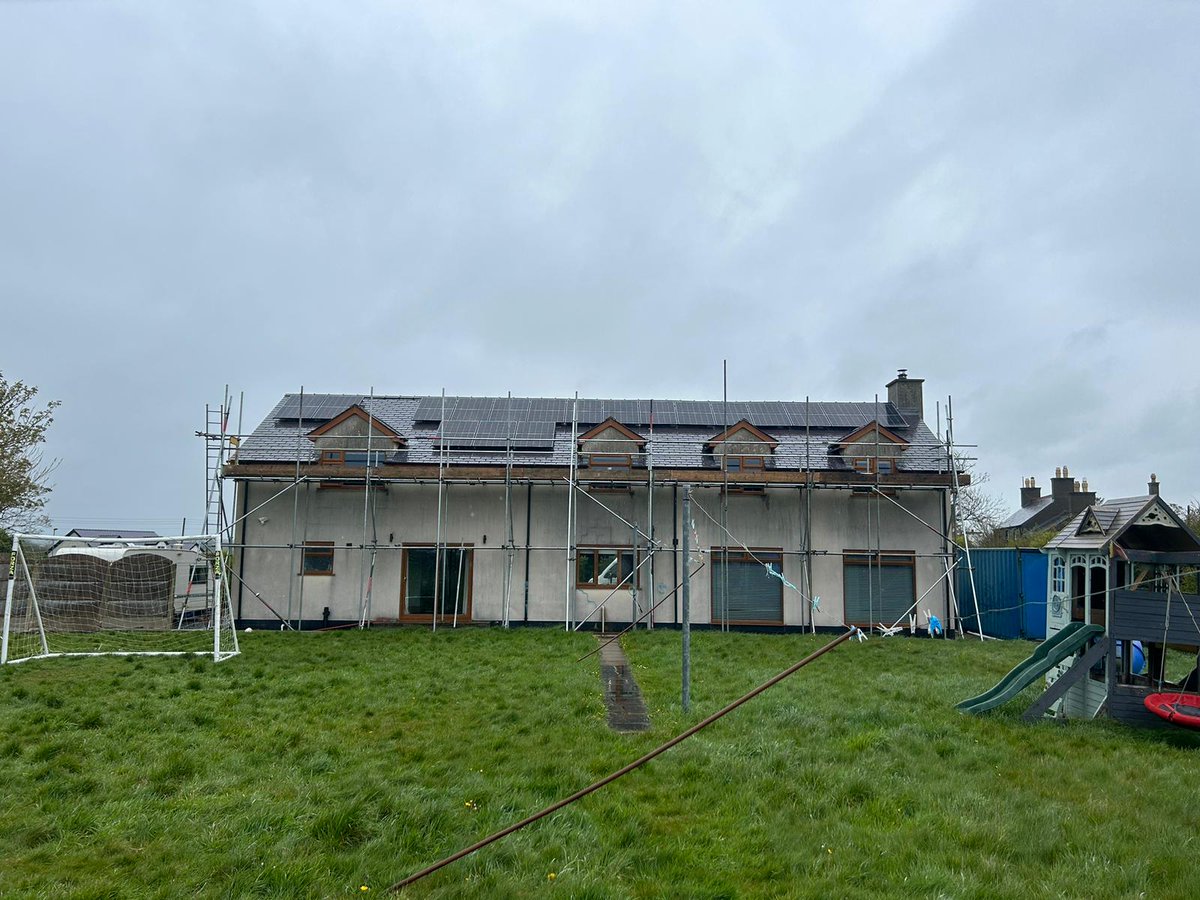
(320, 765)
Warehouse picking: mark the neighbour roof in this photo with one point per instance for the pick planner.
(1027, 514)
(477, 430)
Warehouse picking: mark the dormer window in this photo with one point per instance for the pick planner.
(610, 445)
(353, 459)
(739, 464)
(870, 465)
(345, 439)
(609, 461)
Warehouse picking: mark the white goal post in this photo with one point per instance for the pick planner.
(162, 596)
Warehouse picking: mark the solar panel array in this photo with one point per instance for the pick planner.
(316, 406)
(533, 417)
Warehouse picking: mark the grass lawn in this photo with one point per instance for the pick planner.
(314, 765)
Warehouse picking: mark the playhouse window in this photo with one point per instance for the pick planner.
(1059, 585)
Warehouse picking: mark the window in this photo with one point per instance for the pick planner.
(744, 464)
(610, 461)
(199, 573)
(743, 591)
(317, 558)
(423, 570)
(354, 459)
(869, 465)
(1059, 576)
(878, 587)
(604, 567)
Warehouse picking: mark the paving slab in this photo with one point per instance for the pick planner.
(626, 709)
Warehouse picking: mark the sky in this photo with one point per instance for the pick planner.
(545, 197)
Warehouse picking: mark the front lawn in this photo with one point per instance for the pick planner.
(316, 765)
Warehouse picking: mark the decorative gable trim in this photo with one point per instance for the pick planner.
(356, 411)
(610, 422)
(856, 436)
(1157, 514)
(728, 435)
(1089, 524)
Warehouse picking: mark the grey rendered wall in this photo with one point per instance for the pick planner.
(474, 516)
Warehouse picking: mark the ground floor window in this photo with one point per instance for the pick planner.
(745, 587)
(879, 587)
(604, 567)
(317, 558)
(427, 568)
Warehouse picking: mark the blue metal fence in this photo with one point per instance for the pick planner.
(1010, 584)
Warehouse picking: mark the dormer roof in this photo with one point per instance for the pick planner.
(870, 429)
(612, 424)
(756, 434)
(356, 411)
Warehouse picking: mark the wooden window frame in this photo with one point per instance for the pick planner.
(333, 458)
(625, 461)
(745, 463)
(595, 550)
(316, 550)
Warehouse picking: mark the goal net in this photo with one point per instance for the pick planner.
(88, 597)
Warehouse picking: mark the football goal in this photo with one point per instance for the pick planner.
(69, 596)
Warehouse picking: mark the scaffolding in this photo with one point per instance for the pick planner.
(450, 552)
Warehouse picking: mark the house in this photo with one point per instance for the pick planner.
(449, 510)
(1119, 566)
(1068, 497)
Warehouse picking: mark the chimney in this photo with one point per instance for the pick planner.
(1082, 498)
(1030, 493)
(1153, 485)
(1062, 485)
(907, 395)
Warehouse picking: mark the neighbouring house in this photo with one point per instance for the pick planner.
(448, 510)
(1068, 497)
(1120, 565)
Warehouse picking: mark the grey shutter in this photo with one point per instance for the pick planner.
(896, 593)
(858, 594)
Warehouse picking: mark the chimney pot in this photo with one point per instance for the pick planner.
(1066, 474)
(1085, 487)
(1077, 487)
(1058, 471)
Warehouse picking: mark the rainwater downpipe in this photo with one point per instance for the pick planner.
(242, 551)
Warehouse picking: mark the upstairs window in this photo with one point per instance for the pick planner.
(610, 461)
(352, 459)
(739, 464)
(871, 465)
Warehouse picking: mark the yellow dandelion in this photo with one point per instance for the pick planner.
(551, 876)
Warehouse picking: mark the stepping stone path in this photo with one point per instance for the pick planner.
(626, 709)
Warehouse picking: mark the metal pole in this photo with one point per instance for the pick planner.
(294, 573)
(570, 579)
(686, 693)
(650, 518)
(437, 547)
(362, 561)
(808, 489)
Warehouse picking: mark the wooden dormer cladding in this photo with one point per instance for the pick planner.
(742, 439)
(873, 448)
(609, 440)
(352, 430)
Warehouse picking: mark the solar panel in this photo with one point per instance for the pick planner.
(316, 406)
(535, 417)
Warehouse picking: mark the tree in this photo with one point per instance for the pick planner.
(979, 512)
(24, 472)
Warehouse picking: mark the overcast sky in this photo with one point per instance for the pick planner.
(611, 198)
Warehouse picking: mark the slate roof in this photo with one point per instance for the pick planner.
(1113, 516)
(477, 427)
(1026, 514)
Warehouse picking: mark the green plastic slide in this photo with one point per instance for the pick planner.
(1049, 653)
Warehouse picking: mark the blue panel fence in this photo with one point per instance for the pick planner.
(1010, 585)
